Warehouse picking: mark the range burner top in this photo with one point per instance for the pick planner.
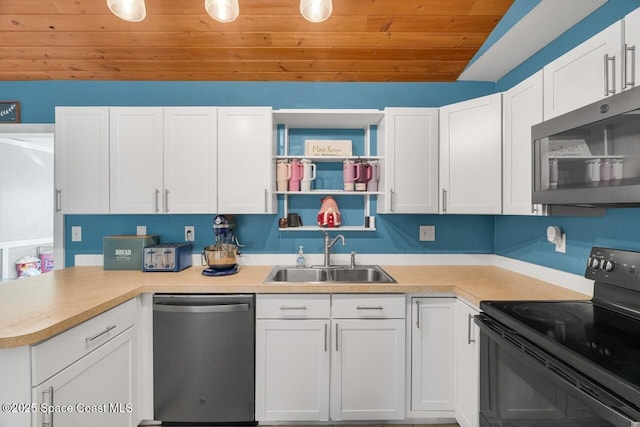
(600, 337)
(544, 314)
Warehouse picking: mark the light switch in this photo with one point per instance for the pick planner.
(76, 233)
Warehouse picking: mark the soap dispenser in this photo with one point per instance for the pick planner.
(300, 260)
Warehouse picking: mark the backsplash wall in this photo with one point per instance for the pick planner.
(259, 234)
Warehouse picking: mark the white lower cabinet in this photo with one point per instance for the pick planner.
(367, 375)
(432, 345)
(97, 390)
(322, 357)
(467, 360)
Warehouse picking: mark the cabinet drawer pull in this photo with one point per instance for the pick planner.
(369, 308)
(301, 307)
(99, 334)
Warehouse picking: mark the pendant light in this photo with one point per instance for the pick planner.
(222, 10)
(316, 10)
(129, 10)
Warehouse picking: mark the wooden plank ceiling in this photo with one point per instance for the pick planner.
(363, 41)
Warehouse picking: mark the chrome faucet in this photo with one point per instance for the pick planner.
(328, 244)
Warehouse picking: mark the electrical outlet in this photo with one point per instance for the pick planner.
(76, 233)
(427, 233)
(141, 230)
(189, 233)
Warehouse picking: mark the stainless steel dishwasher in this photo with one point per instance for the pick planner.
(203, 358)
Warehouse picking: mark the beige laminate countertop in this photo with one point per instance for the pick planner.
(37, 308)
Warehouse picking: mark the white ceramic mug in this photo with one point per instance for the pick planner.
(308, 174)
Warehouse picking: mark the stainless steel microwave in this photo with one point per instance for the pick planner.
(591, 156)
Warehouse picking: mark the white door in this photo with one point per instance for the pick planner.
(97, 390)
(245, 149)
(367, 369)
(136, 160)
(467, 359)
(411, 160)
(432, 344)
(587, 73)
(190, 160)
(82, 160)
(631, 53)
(292, 370)
(522, 108)
(471, 156)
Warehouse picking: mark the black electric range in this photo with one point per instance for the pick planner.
(597, 340)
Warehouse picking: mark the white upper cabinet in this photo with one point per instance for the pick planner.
(245, 151)
(82, 160)
(410, 152)
(522, 108)
(136, 159)
(190, 168)
(631, 50)
(470, 156)
(587, 73)
(163, 160)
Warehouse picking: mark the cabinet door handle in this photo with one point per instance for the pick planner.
(469, 323)
(391, 200)
(99, 334)
(166, 200)
(47, 419)
(625, 64)
(444, 201)
(336, 337)
(157, 207)
(266, 200)
(607, 76)
(418, 314)
(58, 200)
(325, 337)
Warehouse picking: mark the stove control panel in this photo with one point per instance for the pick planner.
(614, 266)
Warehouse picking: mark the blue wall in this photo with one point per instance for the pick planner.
(517, 237)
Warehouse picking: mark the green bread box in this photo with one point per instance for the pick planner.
(126, 252)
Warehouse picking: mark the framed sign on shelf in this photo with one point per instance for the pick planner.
(9, 112)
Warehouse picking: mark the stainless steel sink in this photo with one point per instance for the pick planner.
(333, 274)
(297, 274)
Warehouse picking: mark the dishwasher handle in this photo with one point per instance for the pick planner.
(199, 308)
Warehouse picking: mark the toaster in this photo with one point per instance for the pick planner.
(167, 257)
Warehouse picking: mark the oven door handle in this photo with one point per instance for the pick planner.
(599, 407)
